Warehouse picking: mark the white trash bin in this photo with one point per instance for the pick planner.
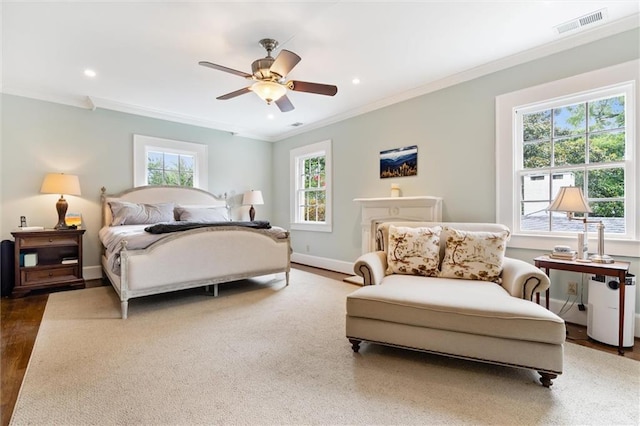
(603, 312)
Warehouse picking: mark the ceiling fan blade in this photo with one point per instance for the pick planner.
(234, 94)
(225, 69)
(317, 88)
(285, 104)
(284, 62)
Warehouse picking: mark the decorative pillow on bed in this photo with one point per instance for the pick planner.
(473, 255)
(125, 213)
(413, 251)
(202, 214)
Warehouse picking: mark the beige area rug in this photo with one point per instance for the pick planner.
(263, 353)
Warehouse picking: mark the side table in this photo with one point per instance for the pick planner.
(58, 260)
(616, 269)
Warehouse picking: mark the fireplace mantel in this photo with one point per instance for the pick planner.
(387, 209)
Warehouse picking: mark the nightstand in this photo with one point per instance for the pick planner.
(54, 258)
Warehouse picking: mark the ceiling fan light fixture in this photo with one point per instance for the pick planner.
(268, 90)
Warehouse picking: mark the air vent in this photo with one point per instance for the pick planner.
(585, 20)
(297, 124)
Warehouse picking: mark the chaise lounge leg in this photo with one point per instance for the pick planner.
(286, 276)
(545, 378)
(124, 306)
(355, 344)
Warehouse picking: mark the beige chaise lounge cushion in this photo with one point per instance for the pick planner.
(476, 307)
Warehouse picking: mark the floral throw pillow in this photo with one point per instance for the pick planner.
(473, 255)
(413, 251)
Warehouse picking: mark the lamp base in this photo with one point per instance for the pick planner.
(601, 258)
(61, 208)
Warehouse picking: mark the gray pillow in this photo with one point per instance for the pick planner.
(202, 214)
(125, 213)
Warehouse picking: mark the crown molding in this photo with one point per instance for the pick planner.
(42, 95)
(170, 116)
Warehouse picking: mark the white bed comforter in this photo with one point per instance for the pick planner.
(136, 237)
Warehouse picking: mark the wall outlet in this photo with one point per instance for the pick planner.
(572, 289)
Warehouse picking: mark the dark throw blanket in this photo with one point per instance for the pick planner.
(164, 228)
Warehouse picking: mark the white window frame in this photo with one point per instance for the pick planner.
(143, 144)
(296, 155)
(508, 155)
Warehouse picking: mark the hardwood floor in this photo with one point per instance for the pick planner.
(20, 320)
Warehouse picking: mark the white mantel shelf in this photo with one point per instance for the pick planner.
(387, 209)
(398, 200)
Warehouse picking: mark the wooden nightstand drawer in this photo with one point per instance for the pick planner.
(36, 276)
(48, 241)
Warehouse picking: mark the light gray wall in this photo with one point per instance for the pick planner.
(454, 129)
(41, 137)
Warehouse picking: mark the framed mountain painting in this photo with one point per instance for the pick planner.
(399, 162)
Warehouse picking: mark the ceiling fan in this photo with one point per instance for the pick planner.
(269, 74)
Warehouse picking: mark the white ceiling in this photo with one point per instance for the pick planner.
(146, 54)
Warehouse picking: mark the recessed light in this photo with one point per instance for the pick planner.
(356, 81)
(89, 73)
(271, 116)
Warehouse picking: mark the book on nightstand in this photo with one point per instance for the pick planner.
(564, 255)
(69, 260)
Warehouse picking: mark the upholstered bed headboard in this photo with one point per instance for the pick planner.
(178, 195)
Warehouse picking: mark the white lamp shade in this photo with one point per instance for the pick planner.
(569, 199)
(253, 198)
(59, 183)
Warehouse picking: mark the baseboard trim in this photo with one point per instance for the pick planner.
(92, 272)
(323, 262)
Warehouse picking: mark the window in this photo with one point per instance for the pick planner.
(579, 131)
(568, 143)
(311, 187)
(167, 162)
(169, 168)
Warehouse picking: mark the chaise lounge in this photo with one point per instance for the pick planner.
(446, 288)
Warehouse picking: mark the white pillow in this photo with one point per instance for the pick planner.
(473, 255)
(125, 213)
(413, 251)
(202, 214)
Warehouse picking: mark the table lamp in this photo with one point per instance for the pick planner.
(59, 183)
(570, 200)
(252, 197)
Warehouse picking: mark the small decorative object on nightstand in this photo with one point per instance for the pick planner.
(58, 260)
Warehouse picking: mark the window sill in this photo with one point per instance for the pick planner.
(310, 227)
(626, 248)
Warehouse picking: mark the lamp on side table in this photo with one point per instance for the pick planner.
(250, 198)
(570, 200)
(59, 183)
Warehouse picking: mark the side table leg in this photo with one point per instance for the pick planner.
(546, 299)
(622, 279)
(546, 293)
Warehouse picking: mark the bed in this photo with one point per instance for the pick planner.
(209, 250)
